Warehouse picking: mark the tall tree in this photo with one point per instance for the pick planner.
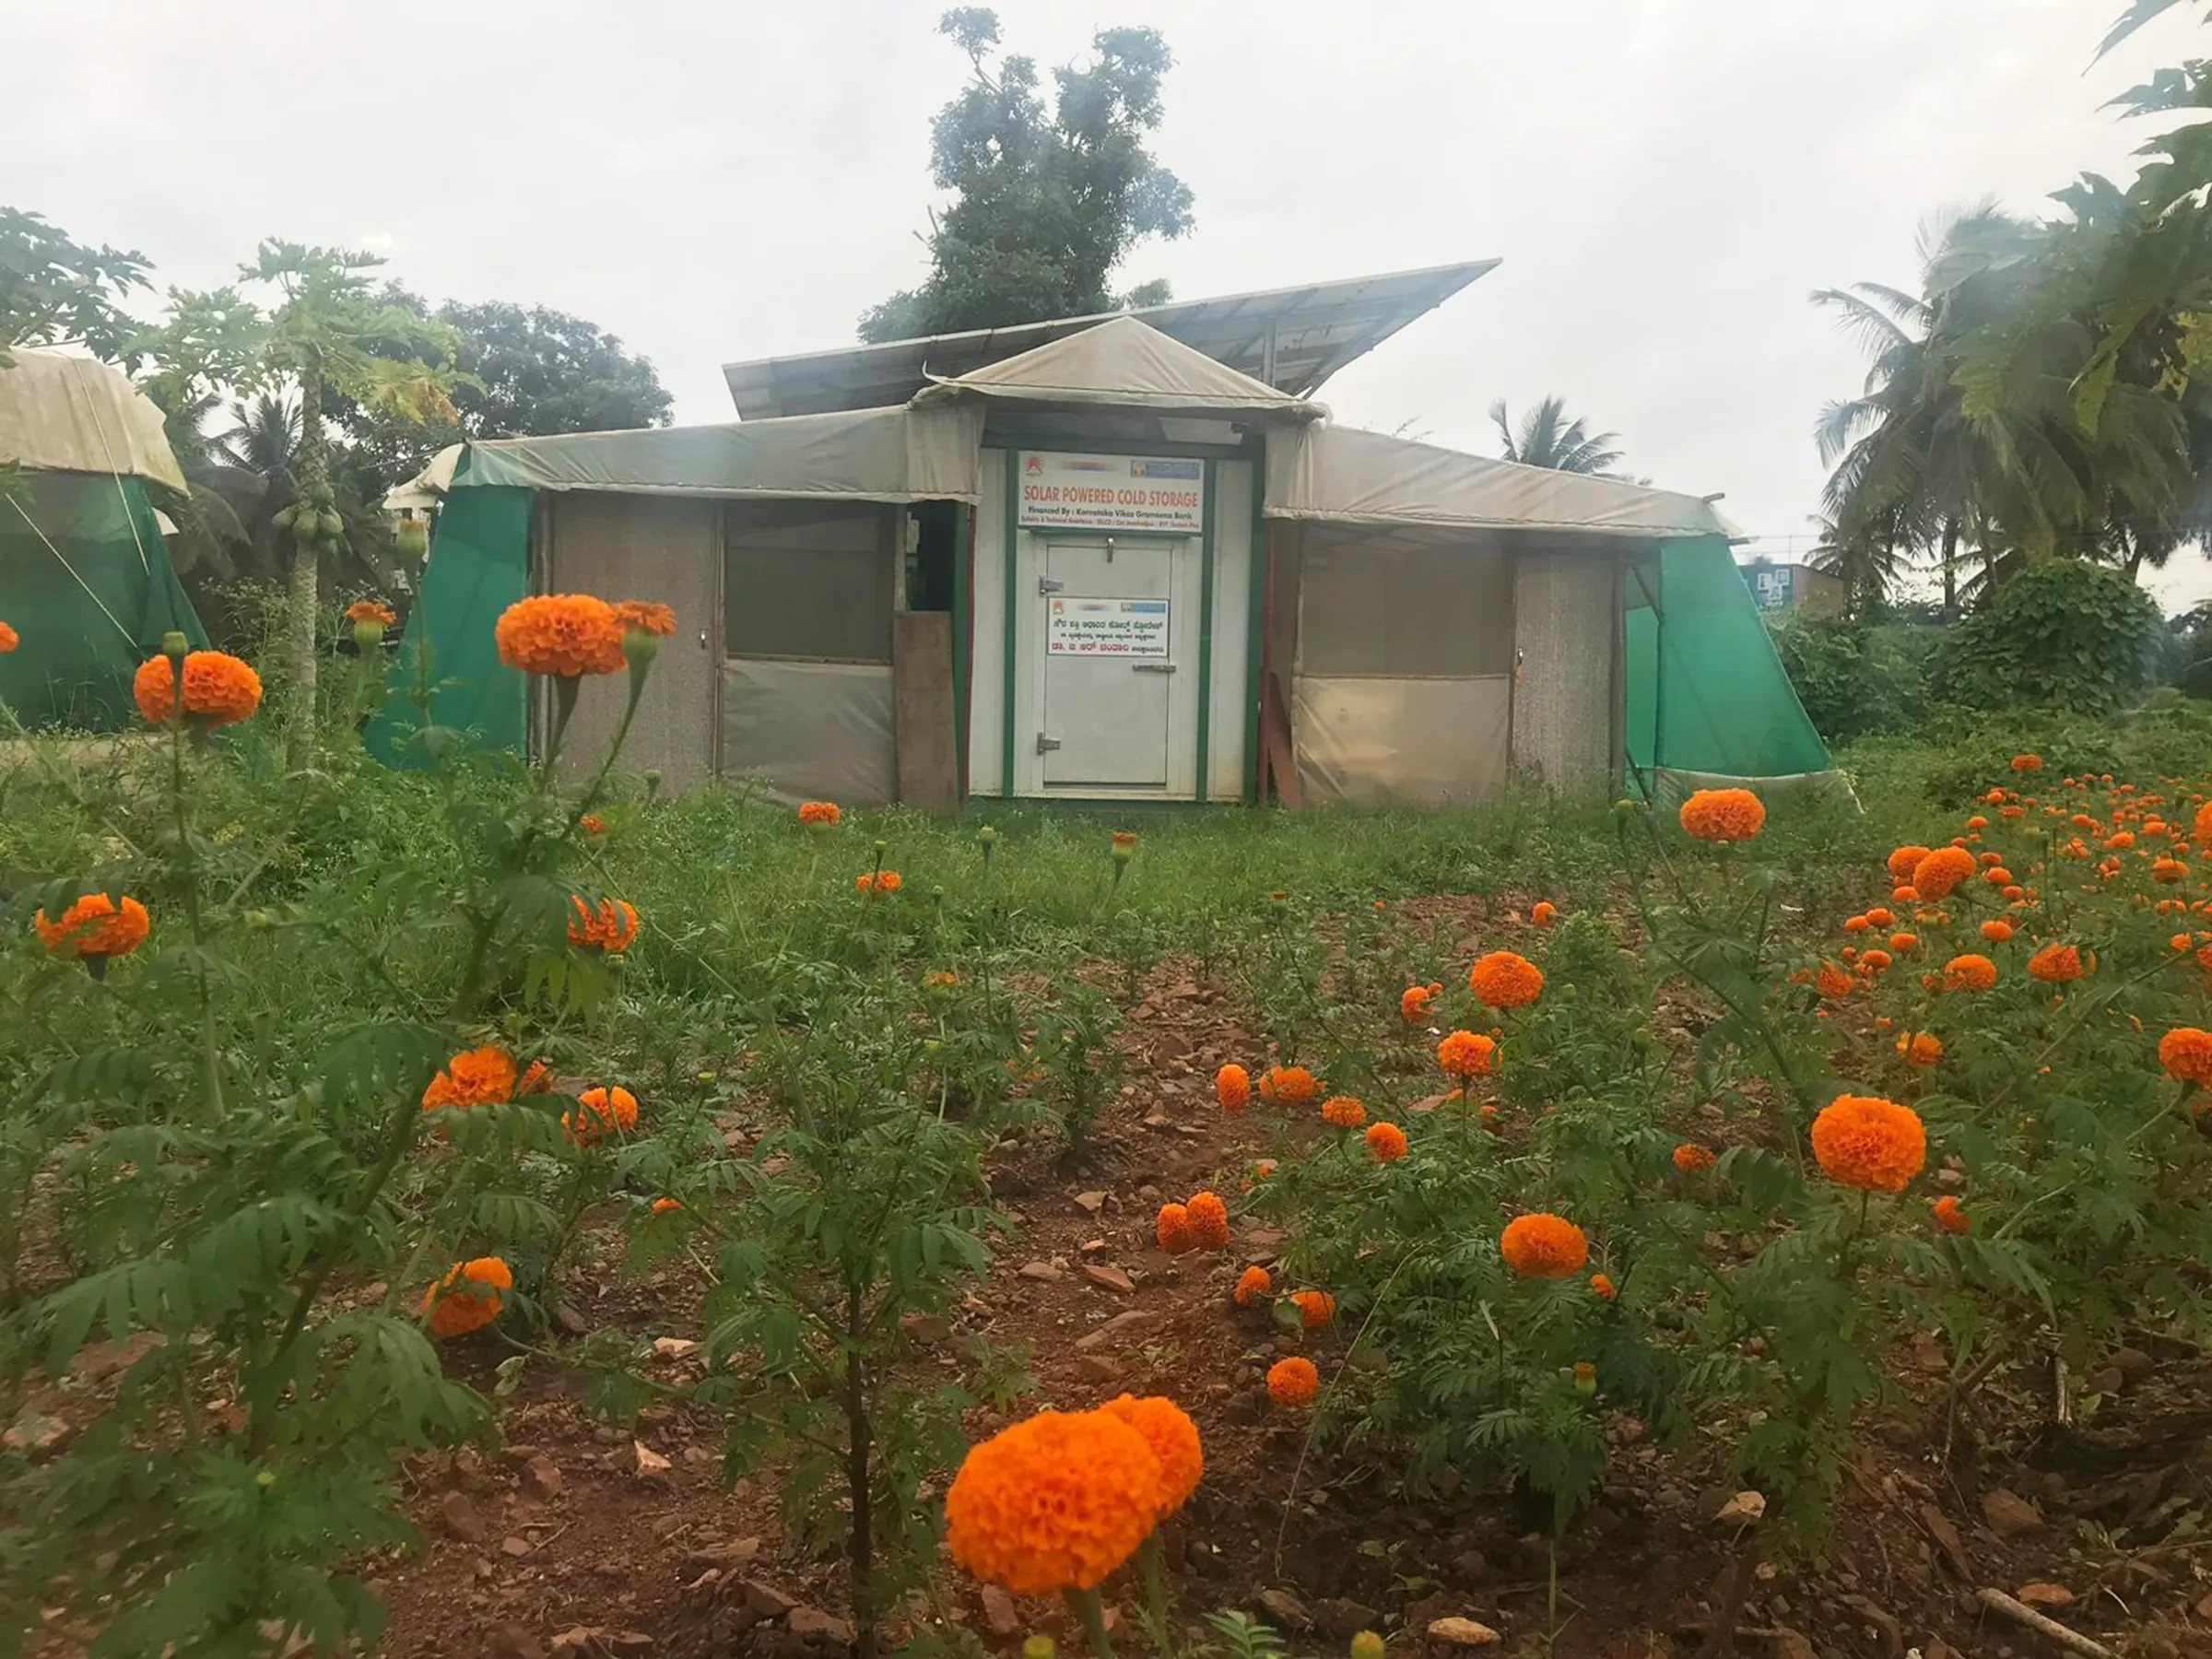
(1546, 438)
(1045, 205)
(531, 371)
(55, 290)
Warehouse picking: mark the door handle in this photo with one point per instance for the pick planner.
(1152, 667)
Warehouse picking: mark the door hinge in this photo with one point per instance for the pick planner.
(1045, 745)
(1045, 584)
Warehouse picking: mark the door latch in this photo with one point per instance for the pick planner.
(1046, 745)
(1045, 584)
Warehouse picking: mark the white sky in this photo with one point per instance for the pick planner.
(1666, 179)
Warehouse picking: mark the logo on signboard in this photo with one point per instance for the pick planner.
(1033, 465)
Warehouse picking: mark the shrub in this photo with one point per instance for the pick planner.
(2063, 632)
(1854, 680)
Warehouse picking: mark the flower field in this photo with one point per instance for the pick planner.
(495, 1210)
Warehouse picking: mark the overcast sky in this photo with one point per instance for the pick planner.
(1664, 180)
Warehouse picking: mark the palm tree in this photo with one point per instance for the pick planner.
(1869, 564)
(1547, 439)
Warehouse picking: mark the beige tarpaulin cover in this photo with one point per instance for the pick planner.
(1342, 474)
(427, 487)
(63, 413)
(869, 455)
(1129, 364)
(810, 731)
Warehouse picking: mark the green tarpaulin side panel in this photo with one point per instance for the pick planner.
(1706, 691)
(480, 565)
(86, 580)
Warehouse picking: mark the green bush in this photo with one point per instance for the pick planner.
(1854, 680)
(2063, 632)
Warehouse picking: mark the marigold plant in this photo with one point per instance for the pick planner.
(1289, 1086)
(1055, 1504)
(1207, 1218)
(1543, 1246)
(468, 1297)
(1950, 1215)
(601, 1113)
(646, 616)
(820, 815)
(1342, 1112)
(370, 613)
(1506, 980)
(1465, 1054)
(1172, 1229)
(1543, 914)
(1413, 1002)
(2187, 1053)
(1173, 1439)
(96, 927)
(1387, 1141)
(1904, 862)
(1724, 815)
(2057, 964)
(1938, 875)
(1317, 1309)
(219, 690)
(1601, 1285)
(562, 636)
(610, 925)
(1253, 1285)
(9, 639)
(1293, 1382)
(1920, 1048)
(1694, 1159)
(1969, 972)
(1232, 1088)
(479, 1077)
(1867, 1142)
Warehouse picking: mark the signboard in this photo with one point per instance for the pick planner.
(1770, 586)
(1106, 628)
(1111, 492)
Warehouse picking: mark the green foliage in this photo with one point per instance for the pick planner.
(2063, 632)
(1046, 203)
(55, 290)
(1852, 678)
(1546, 438)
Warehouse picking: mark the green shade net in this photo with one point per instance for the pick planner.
(86, 581)
(480, 565)
(1706, 691)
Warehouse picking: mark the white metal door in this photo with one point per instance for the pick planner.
(1111, 669)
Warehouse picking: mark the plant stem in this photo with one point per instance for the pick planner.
(1091, 1614)
(858, 1449)
(1149, 1557)
(188, 866)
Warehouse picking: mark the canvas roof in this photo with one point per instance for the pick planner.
(1293, 339)
(872, 454)
(1124, 363)
(60, 412)
(1342, 475)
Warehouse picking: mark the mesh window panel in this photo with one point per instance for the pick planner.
(804, 580)
(1374, 605)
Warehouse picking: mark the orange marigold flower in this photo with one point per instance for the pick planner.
(2168, 870)
(1977, 822)
(1950, 1216)
(1969, 972)
(2027, 763)
(1857, 924)
(219, 690)
(647, 617)
(1543, 1246)
(1342, 1112)
(1253, 1285)
(2187, 1053)
(1387, 1141)
(823, 814)
(1208, 1219)
(611, 925)
(592, 824)
(1172, 1231)
(1506, 980)
(1904, 942)
(2180, 941)
(1603, 1285)
(1904, 895)
(603, 1111)
(1694, 1159)
(1413, 1002)
(9, 640)
(2121, 840)
(1881, 916)
(94, 926)
(563, 635)
(1232, 1088)
(1991, 860)
(662, 1206)
(1316, 1308)
(537, 1080)
(467, 1297)
(1167, 1428)
(1466, 1054)
(1543, 913)
(1877, 1144)
(480, 1076)
(1724, 815)
(1996, 932)
(1053, 1503)
(1289, 1086)
(1293, 1382)
(2057, 964)
(1936, 877)
(1875, 961)
(2201, 833)
(1920, 1048)
(1832, 982)
(365, 611)
(1904, 861)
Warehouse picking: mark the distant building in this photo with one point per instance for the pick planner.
(1794, 586)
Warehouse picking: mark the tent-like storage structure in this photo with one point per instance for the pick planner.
(84, 578)
(1110, 567)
